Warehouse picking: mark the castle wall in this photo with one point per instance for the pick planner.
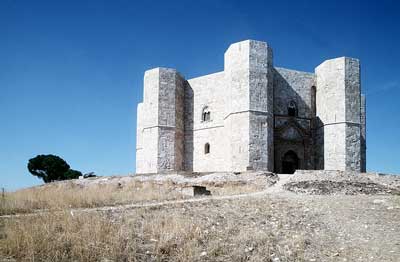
(236, 68)
(249, 125)
(248, 71)
(353, 114)
(147, 125)
(363, 134)
(296, 86)
(318, 145)
(330, 110)
(261, 107)
(338, 109)
(206, 91)
(291, 85)
(160, 142)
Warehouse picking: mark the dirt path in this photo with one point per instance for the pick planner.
(151, 204)
(275, 189)
(337, 227)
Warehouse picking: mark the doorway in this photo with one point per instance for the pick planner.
(290, 162)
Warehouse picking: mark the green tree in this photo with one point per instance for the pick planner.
(51, 168)
(72, 174)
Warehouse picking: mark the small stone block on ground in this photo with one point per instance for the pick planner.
(195, 191)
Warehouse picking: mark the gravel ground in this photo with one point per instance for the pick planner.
(348, 183)
(261, 179)
(359, 227)
(324, 216)
(290, 227)
(308, 216)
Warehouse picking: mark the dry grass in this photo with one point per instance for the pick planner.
(58, 237)
(181, 233)
(263, 228)
(59, 196)
(173, 233)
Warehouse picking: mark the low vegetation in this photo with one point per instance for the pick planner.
(332, 218)
(184, 233)
(70, 194)
(59, 196)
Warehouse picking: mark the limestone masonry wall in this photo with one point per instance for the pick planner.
(291, 85)
(207, 92)
(253, 116)
(161, 138)
(363, 134)
(339, 109)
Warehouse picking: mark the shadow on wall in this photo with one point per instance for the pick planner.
(284, 92)
(303, 132)
(188, 126)
(289, 86)
(319, 143)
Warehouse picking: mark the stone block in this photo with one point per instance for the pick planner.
(193, 191)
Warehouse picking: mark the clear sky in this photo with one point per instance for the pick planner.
(71, 72)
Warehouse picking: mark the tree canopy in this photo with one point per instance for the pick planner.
(51, 168)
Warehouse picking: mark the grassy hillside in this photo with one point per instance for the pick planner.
(243, 220)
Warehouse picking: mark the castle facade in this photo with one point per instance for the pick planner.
(253, 116)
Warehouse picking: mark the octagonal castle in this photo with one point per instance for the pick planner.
(253, 116)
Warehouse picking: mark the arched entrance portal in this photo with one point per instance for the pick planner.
(290, 162)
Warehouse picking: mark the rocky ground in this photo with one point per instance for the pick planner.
(260, 180)
(348, 183)
(308, 216)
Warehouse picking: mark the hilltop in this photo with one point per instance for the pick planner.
(252, 216)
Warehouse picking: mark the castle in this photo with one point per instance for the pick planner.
(253, 116)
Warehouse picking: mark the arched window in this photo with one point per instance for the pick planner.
(205, 115)
(207, 148)
(292, 108)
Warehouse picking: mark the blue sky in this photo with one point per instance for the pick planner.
(71, 72)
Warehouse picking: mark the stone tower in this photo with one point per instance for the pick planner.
(253, 116)
(338, 108)
(160, 135)
(248, 75)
